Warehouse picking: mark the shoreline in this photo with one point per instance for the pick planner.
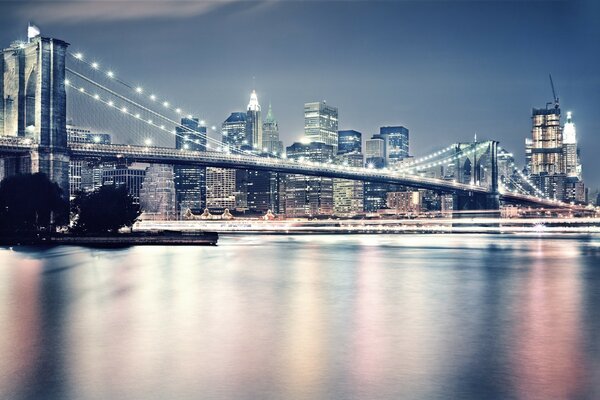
(116, 240)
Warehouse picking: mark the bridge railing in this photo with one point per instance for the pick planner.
(17, 142)
(169, 155)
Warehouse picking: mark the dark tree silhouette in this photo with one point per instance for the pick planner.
(108, 209)
(30, 203)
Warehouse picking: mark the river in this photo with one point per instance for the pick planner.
(305, 317)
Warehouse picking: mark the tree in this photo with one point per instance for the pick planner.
(30, 203)
(107, 209)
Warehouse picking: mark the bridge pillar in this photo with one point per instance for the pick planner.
(33, 104)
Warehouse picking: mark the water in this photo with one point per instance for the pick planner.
(305, 317)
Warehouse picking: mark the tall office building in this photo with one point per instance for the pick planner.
(321, 124)
(254, 133)
(574, 186)
(528, 152)
(395, 144)
(220, 189)
(309, 196)
(80, 169)
(375, 152)
(271, 142)
(223, 193)
(549, 155)
(570, 149)
(349, 141)
(233, 131)
(547, 142)
(131, 177)
(190, 181)
(348, 195)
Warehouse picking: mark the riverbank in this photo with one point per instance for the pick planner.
(156, 238)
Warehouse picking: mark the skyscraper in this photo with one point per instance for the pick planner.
(321, 124)
(131, 177)
(309, 196)
(349, 141)
(271, 141)
(190, 181)
(570, 150)
(254, 133)
(348, 195)
(375, 152)
(220, 188)
(396, 144)
(547, 141)
(574, 186)
(233, 131)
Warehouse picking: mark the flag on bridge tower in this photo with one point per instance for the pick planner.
(32, 31)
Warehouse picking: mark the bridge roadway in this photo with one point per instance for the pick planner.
(150, 154)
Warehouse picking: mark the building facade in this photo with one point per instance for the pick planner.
(348, 195)
(395, 144)
(321, 124)
(309, 196)
(220, 189)
(254, 133)
(271, 142)
(349, 141)
(233, 131)
(190, 181)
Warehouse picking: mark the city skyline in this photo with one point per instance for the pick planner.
(489, 89)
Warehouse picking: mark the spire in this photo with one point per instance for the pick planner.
(253, 105)
(270, 118)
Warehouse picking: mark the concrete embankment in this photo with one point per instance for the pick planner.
(117, 240)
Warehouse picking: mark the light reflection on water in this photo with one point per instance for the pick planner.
(305, 317)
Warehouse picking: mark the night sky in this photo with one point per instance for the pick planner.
(444, 69)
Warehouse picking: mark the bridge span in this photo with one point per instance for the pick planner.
(19, 146)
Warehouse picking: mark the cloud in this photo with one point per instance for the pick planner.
(76, 11)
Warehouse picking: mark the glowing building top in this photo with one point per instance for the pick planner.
(569, 132)
(253, 105)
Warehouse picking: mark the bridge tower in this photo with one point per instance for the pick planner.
(473, 201)
(33, 105)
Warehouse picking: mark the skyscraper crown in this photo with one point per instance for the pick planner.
(253, 105)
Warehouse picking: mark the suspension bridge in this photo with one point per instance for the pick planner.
(42, 77)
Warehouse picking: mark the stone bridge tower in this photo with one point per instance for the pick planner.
(33, 105)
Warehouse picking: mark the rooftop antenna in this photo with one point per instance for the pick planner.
(556, 105)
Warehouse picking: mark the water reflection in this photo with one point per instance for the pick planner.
(319, 317)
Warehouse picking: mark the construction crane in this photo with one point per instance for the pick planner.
(556, 105)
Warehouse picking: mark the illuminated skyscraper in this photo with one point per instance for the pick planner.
(254, 132)
(395, 144)
(190, 181)
(570, 150)
(348, 195)
(309, 196)
(321, 124)
(271, 141)
(233, 130)
(220, 188)
(349, 141)
(547, 142)
(375, 152)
